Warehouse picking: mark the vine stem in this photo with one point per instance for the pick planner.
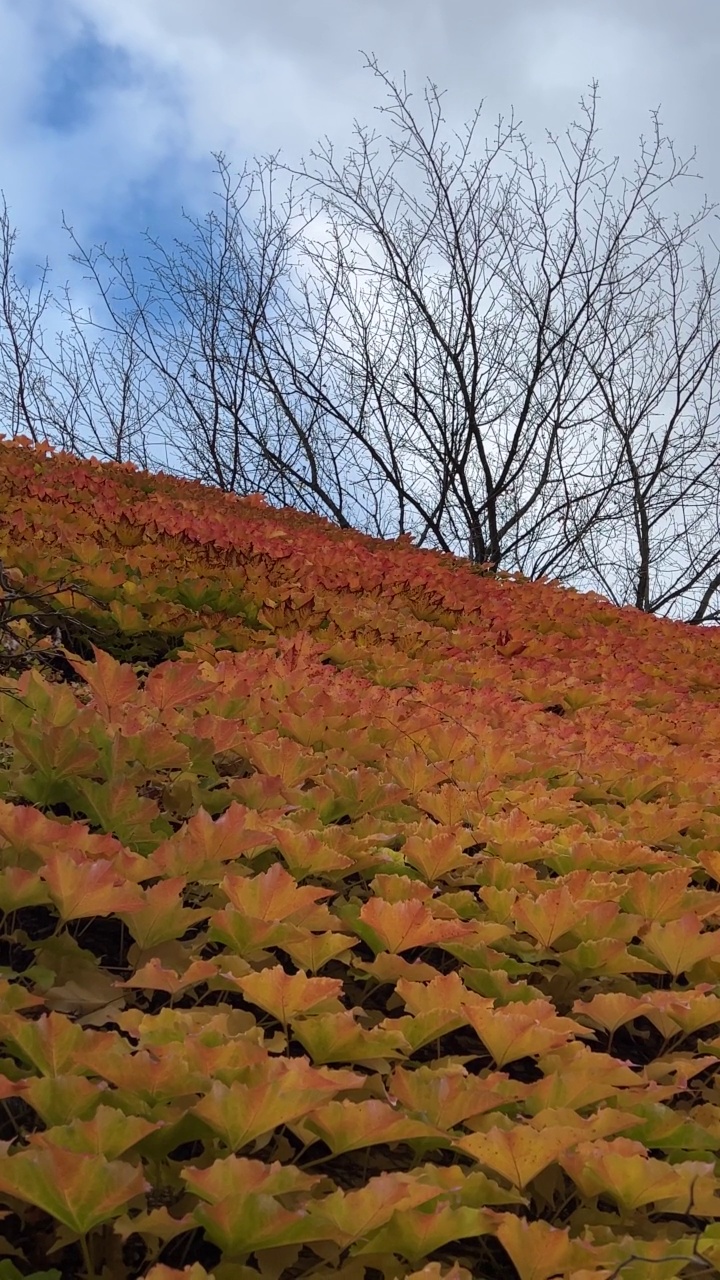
(87, 1259)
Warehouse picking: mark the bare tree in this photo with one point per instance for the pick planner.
(22, 387)
(202, 318)
(656, 367)
(473, 359)
(83, 393)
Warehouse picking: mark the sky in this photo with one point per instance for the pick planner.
(110, 112)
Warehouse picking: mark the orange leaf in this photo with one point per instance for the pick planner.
(415, 1233)
(538, 1250)
(113, 683)
(80, 887)
(402, 925)
(680, 944)
(241, 1224)
(446, 1096)
(79, 1190)
(53, 1044)
(621, 1168)
(160, 915)
(110, 1133)
(350, 1126)
(237, 1174)
(286, 995)
(548, 917)
(203, 845)
(611, 1009)
(337, 1037)
(242, 1112)
(274, 895)
(355, 1213)
(317, 949)
(512, 1031)
(153, 976)
(520, 1153)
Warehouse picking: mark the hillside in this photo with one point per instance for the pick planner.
(359, 909)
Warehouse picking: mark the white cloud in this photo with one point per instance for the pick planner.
(249, 79)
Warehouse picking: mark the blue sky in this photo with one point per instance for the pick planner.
(111, 110)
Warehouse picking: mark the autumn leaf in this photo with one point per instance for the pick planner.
(317, 949)
(680, 944)
(110, 1133)
(247, 935)
(193, 1272)
(511, 1032)
(160, 915)
(14, 996)
(354, 1214)
(519, 1153)
(81, 888)
(576, 1077)
(52, 1044)
(114, 684)
(240, 1113)
(150, 1075)
(611, 1009)
(20, 888)
(203, 845)
(447, 1096)
(656, 898)
(274, 895)
(244, 1223)
(621, 1168)
(286, 995)
(308, 852)
(236, 1175)
(81, 1191)
(154, 976)
(337, 1037)
(350, 1126)
(59, 1100)
(539, 1250)
(402, 925)
(415, 1233)
(548, 917)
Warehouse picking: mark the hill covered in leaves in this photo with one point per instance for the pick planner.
(359, 909)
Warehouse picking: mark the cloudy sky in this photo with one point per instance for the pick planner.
(110, 111)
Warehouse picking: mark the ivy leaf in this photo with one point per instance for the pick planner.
(354, 1214)
(242, 1112)
(161, 916)
(680, 944)
(236, 1174)
(80, 887)
(110, 1133)
(244, 1223)
(621, 1168)
(402, 925)
(275, 896)
(286, 995)
(79, 1190)
(539, 1250)
(415, 1233)
(337, 1037)
(350, 1126)
(53, 1044)
(519, 1153)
